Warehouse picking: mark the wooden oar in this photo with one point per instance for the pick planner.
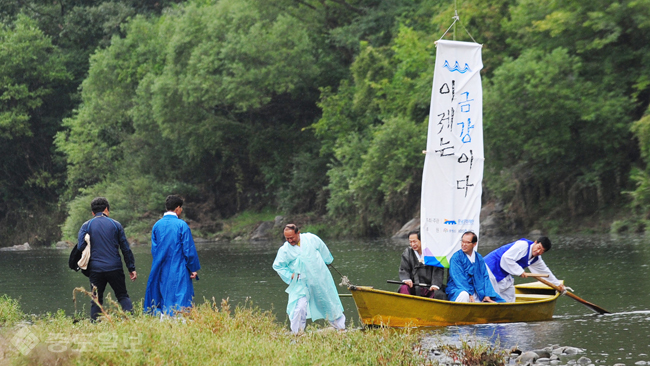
(586, 303)
(414, 284)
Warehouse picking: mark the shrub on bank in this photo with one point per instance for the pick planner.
(473, 353)
(207, 334)
(10, 311)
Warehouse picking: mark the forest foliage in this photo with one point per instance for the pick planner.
(316, 107)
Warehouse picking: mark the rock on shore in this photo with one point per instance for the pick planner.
(403, 233)
(16, 248)
(551, 355)
(268, 230)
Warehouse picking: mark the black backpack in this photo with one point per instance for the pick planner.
(75, 255)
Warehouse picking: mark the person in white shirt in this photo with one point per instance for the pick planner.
(511, 259)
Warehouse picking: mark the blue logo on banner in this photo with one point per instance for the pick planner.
(457, 67)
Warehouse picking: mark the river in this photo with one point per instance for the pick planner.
(610, 271)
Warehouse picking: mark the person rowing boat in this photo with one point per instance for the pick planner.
(511, 260)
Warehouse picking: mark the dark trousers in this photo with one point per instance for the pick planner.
(117, 281)
(424, 292)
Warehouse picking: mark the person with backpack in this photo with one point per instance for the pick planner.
(107, 238)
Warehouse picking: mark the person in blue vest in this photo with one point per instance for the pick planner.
(511, 260)
(107, 238)
(175, 263)
(469, 280)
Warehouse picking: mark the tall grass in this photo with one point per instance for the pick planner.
(210, 334)
(10, 311)
(476, 353)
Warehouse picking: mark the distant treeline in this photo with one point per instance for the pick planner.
(314, 106)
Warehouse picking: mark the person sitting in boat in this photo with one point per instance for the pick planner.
(468, 276)
(511, 260)
(413, 271)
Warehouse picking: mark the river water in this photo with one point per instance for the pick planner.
(610, 271)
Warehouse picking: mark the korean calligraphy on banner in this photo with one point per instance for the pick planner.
(453, 166)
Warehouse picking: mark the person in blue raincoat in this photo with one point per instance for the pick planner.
(468, 276)
(302, 263)
(175, 262)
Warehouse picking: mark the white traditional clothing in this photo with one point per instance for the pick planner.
(312, 292)
(511, 260)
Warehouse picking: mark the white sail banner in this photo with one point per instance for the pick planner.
(453, 166)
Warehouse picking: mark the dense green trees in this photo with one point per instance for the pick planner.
(31, 77)
(210, 96)
(375, 126)
(315, 106)
(44, 49)
(559, 104)
(575, 81)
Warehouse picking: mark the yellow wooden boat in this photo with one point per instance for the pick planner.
(534, 302)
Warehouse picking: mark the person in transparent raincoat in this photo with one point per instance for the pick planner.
(302, 263)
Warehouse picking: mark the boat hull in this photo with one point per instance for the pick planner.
(384, 308)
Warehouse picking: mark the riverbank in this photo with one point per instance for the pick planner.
(210, 333)
(266, 224)
(239, 270)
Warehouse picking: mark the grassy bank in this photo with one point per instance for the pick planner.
(10, 311)
(210, 333)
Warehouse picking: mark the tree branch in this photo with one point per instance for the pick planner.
(349, 6)
(305, 4)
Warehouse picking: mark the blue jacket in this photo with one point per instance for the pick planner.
(106, 237)
(471, 277)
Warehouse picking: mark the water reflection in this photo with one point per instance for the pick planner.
(613, 338)
(523, 336)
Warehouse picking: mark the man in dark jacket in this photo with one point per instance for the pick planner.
(412, 271)
(105, 265)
